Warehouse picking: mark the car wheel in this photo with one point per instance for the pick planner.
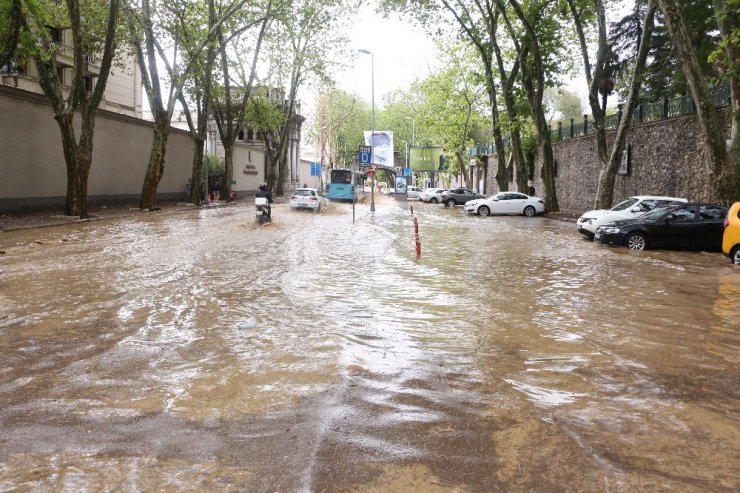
(636, 241)
(483, 211)
(735, 255)
(433, 200)
(450, 203)
(529, 211)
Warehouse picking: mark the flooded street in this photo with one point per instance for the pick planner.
(197, 351)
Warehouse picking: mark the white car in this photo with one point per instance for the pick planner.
(307, 198)
(432, 195)
(627, 209)
(506, 203)
(411, 192)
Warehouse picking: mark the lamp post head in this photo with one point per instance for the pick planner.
(366, 52)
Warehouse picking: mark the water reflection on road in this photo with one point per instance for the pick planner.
(197, 351)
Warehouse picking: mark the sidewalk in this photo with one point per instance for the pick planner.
(39, 218)
(569, 216)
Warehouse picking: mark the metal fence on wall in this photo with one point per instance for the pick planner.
(644, 113)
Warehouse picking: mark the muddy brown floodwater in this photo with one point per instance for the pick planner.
(196, 351)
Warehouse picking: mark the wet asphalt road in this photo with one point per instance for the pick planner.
(197, 351)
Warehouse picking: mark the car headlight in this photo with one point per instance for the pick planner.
(609, 230)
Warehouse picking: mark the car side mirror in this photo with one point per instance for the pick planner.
(669, 218)
(636, 209)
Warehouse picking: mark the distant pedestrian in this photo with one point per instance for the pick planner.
(531, 190)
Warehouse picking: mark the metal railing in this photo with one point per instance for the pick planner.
(645, 112)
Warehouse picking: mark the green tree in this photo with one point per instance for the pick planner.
(452, 99)
(94, 28)
(301, 50)
(11, 26)
(722, 166)
(154, 31)
(229, 109)
(600, 78)
(338, 126)
(535, 40)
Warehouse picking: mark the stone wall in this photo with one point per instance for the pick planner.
(665, 158)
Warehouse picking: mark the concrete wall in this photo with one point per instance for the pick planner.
(32, 163)
(665, 158)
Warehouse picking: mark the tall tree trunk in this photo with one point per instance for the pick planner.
(533, 81)
(196, 177)
(507, 89)
(501, 175)
(608, 174)
(724, 176)
(77, 155)
(155, 168)
(729, 25)
(228, 171)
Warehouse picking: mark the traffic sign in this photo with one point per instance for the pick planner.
(406, 171)
(365, 154)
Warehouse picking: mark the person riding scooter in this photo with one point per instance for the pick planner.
(262, 201)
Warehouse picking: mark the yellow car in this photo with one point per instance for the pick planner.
(731, 237)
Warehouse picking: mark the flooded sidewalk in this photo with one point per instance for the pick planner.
(198, 351)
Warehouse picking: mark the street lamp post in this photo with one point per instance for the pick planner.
(413, 130)
(372, 124)
(413, 137)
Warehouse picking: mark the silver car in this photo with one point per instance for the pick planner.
(431, 195)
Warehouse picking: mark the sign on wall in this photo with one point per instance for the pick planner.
(624, 165)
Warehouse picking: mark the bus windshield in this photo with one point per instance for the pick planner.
(341, 176)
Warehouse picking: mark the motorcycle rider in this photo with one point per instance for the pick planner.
(263, 193)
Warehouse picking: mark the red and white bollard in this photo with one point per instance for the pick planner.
(418, 241)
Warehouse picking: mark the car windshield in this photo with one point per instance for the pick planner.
(625, 205)
(495, 196)
(656, 213)
(304, 193)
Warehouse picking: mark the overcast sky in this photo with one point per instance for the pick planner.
(402, 53)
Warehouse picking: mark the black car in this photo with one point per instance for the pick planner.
(682, 226)
(459, 196)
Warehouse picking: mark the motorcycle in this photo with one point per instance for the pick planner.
(263, 213)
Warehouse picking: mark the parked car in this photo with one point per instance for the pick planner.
(684, 226)
(307, 198)
(431, 195)
(461, 195)
(506, 203)
(731, 237)
(412, 192)
(631, 208)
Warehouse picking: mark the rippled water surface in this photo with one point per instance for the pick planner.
(196, 351)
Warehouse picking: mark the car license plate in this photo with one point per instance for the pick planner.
(579, 226)
(597, 236)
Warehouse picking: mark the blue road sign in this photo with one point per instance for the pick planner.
(365, 154)
(406, 171)
(315, 169)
